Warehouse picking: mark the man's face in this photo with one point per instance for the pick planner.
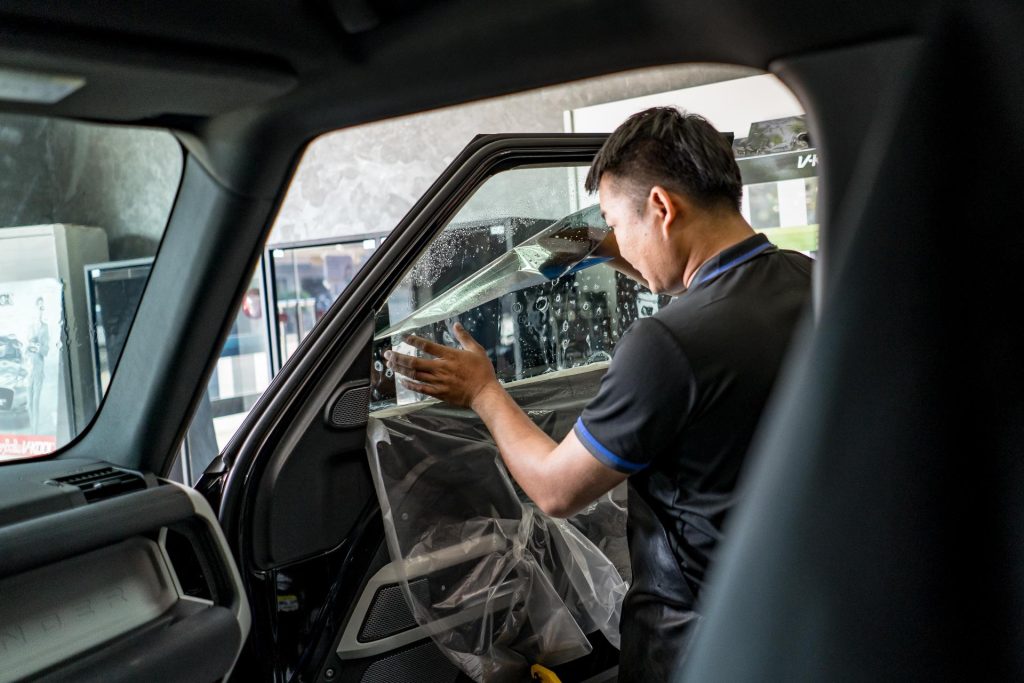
(636, 229)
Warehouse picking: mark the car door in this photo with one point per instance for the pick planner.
(297, 499)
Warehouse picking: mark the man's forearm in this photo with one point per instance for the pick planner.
(610, 247)
(524, 447)
(558, 477)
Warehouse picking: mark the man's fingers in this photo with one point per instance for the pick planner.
(415, 374)
(426, 345)
(402, 362)
(466, 339)
(418, 386)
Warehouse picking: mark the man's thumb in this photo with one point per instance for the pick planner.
(465, 338)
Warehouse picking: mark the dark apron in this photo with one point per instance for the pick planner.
(658, 617)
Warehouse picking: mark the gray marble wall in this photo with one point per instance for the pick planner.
(364, 179)
(350, 182)
(122, 180)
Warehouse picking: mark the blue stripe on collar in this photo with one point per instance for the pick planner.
(742, 258)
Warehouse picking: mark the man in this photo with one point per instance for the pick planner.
(38, 347)
(683, 394)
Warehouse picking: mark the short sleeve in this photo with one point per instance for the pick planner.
(643, 402)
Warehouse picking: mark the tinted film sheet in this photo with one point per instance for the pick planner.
(566, 246)
(508, 586)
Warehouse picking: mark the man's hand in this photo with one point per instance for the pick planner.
(456, 376)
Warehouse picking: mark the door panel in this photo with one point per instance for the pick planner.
(297, 509)
(381, 640)
(381, 621)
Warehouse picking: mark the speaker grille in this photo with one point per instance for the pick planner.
(424, 663)
(389, 614)
(351, 408)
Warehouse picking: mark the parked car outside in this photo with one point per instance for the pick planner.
(14, 380)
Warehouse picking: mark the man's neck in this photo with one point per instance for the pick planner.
(715, 237)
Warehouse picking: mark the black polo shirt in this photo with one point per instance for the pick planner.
(677, 411)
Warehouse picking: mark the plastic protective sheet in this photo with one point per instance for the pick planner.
(499, 585)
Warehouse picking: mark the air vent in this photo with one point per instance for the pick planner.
(103, 483)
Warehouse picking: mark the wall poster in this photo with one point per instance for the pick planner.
(31, 367)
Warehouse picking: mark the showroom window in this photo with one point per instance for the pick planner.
(83, 208)
(307, 279)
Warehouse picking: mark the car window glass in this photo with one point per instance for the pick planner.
(547, 326)
(83, 208)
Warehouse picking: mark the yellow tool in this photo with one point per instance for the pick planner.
(543, 674)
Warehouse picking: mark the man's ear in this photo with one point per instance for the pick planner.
(663, 204)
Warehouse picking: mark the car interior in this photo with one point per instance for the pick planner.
(881, 514)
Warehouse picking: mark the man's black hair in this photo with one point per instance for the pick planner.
(679, 151)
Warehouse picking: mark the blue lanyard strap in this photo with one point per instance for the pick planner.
(742, 258)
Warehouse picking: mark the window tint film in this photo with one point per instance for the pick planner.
(83, 208)
(534, 321)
